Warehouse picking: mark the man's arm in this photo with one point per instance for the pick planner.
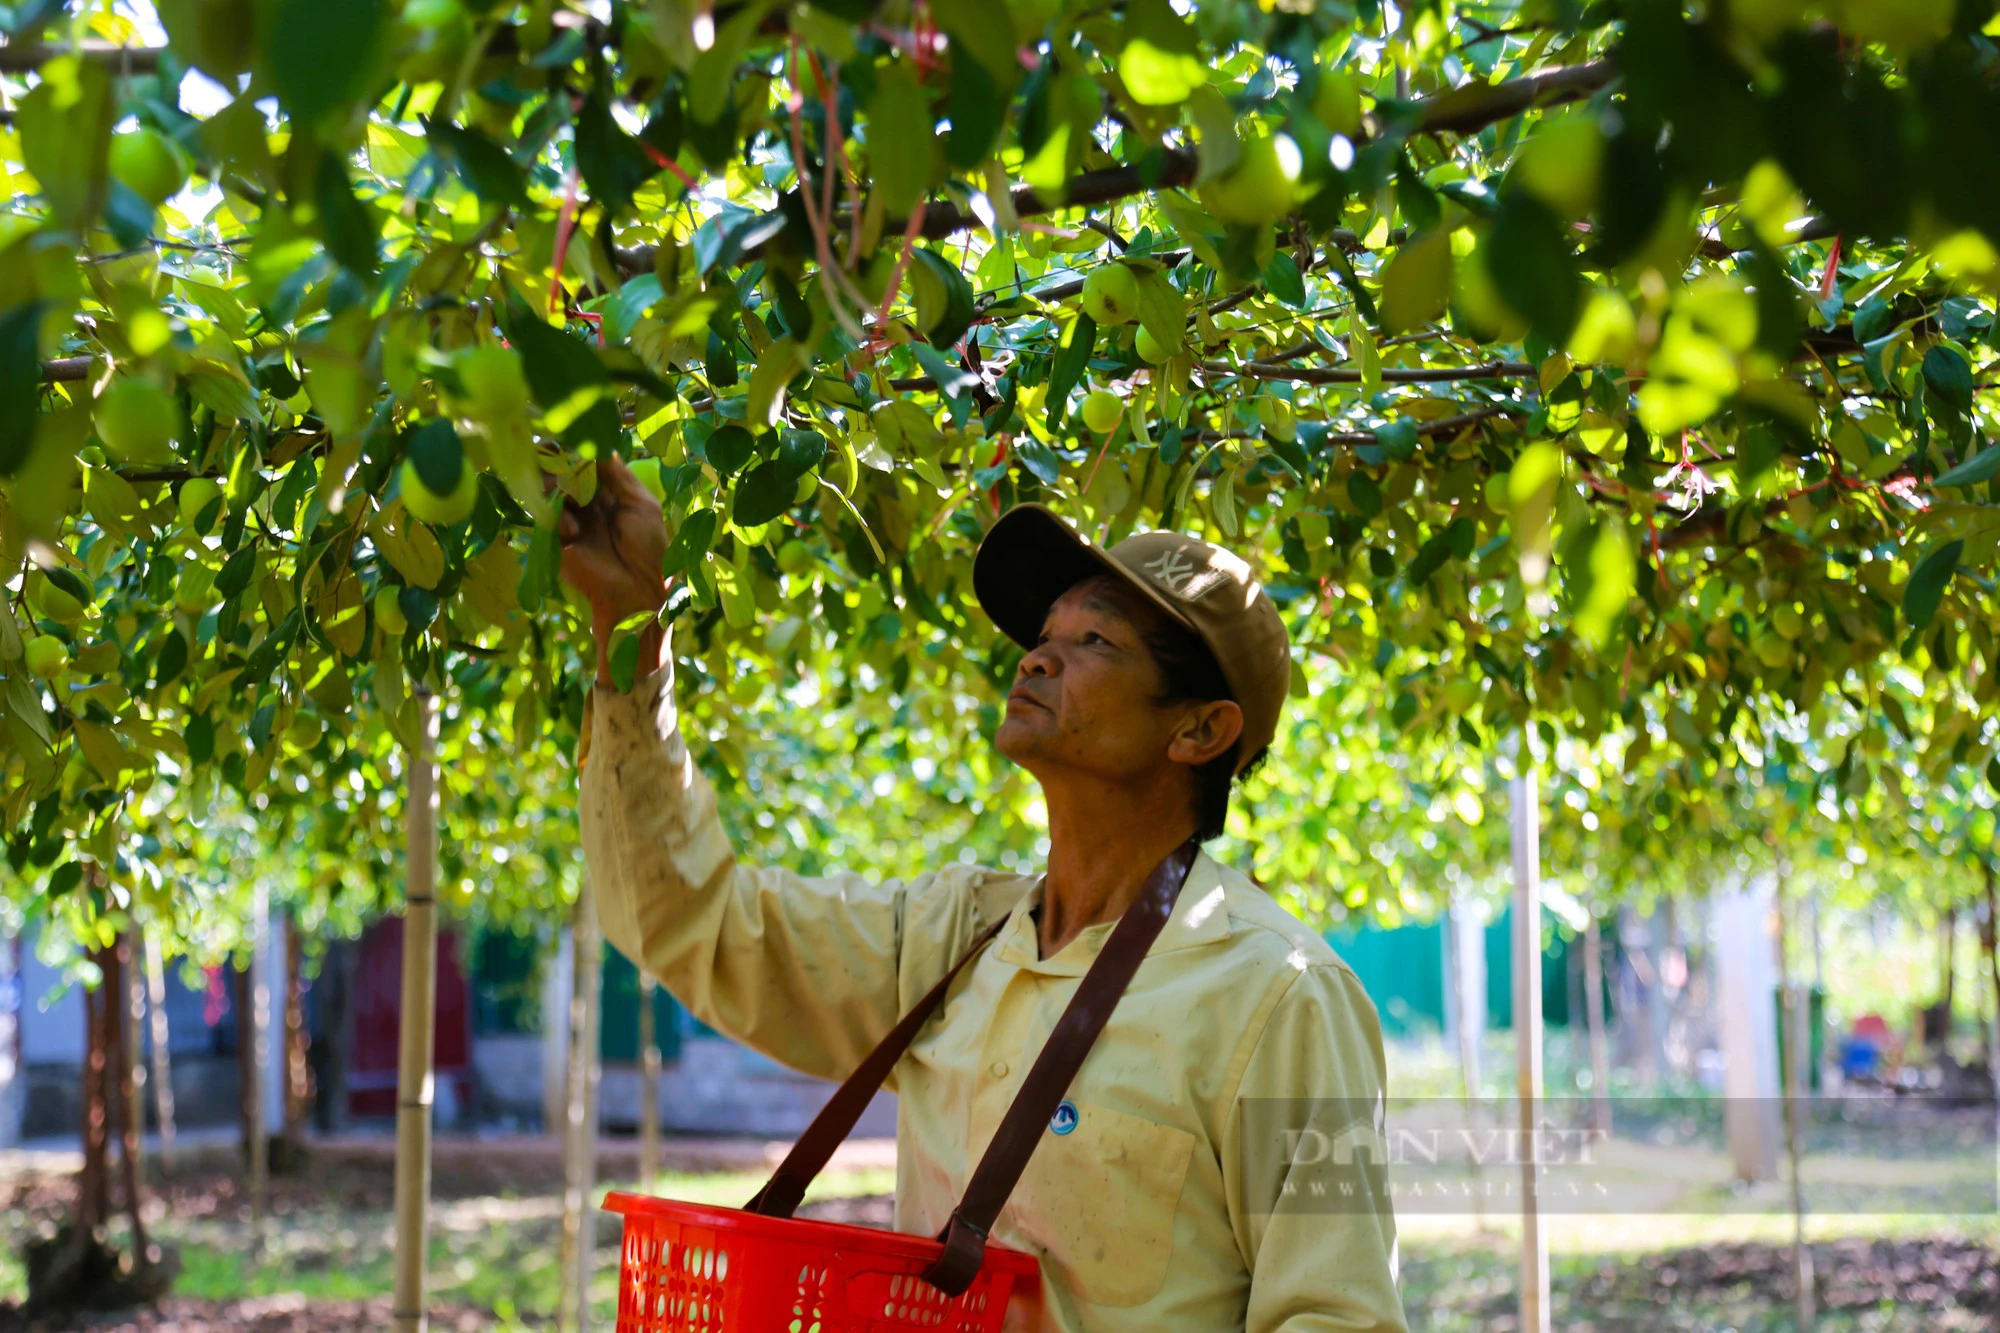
(804, 969)
(1318, 1263)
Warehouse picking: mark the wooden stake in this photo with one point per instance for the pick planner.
(116, 992)
(1528, 1038)
(132, 1070)
(649, 1085)
(1796, 1045)
(162, 1079)
(418, 1018)
(256, 1025)
(580, 1126)
(297, 1043)
(1593, 1008)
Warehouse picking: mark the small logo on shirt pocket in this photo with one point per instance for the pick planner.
(1064, 1120)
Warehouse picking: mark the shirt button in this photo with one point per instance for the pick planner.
(999, 1069)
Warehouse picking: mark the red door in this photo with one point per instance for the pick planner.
(378, 1001)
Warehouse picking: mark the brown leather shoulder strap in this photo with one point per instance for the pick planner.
(1042, 1091)
(836, 1120)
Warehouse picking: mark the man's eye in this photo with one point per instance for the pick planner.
(1093, 636)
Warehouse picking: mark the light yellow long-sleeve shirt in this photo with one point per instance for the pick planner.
(1141, 1212)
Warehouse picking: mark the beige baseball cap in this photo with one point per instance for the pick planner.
(1031, 557)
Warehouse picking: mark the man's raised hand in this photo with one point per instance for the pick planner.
(612, 551)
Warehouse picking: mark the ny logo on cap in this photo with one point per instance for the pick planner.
(1171, 568)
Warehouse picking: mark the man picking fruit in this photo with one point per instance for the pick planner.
(1153, 677)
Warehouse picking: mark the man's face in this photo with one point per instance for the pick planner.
(1083, 698)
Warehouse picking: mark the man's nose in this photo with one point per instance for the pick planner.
(1040, 660)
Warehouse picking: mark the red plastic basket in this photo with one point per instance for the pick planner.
(689, 1268)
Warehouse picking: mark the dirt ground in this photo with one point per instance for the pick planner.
(496, 1203)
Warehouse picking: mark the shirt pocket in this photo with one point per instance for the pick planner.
(1100, 1202)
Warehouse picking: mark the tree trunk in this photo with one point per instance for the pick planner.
(1797, 1041)
(1593, 1008)
(162, 1079)
(649, 1085)
(418, 1019)
(1534, 1295)
(94, 1203)
(580, 1141)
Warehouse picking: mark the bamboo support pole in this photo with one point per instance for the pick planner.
(162, 1074)
(134, 1063)
(580, 1122)
(414, 1089)
(123, 1088)
(1600, 1043)
(1797, 1043)
(649, 1085)
(256, 1029)
(1528, 1039)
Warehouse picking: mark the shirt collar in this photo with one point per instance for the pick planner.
(1200, 916)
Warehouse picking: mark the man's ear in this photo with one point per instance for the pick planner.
(1206, 732)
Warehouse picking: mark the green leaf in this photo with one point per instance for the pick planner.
(485, 167)
(1161, 62)
(799, 452)
(1364, 493)
(951, 380)
(319, 56)
(611, 161)
(20, 383)
(1398, 440)
(1404, 710)
(1067, 372)
(1980, 467)
(1925, 590)
(64, 879)
(1949, 375)
(1417, 283)
(714, 73)
(236, 571)
(946, 306)
(976, 109)
(690, 543)
(763, 494)
(1284, 281)
(557, 365)
(438, 455)
(899, 139)
(65, 128)
(1531, 264)
(1039, 459)
(729, 448)
(774, 371)
(171, 659)
(345, 223)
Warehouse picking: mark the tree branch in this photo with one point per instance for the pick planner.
(1460, 111)
(1472, 108)
(1264, 370)
(29, 56)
